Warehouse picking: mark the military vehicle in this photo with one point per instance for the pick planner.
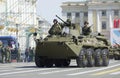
(58, 50)
(116, 51)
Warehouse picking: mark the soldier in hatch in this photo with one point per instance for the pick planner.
(56, 28)
(86, 30)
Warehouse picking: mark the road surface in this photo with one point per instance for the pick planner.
(29, 70)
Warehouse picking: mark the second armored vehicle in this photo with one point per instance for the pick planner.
(116, 52)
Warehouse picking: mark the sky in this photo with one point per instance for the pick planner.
(47, 9)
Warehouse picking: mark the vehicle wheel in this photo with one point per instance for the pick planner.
(90, 57)
(58, 63)
(39, 62)
(48, 63)
(116, 57)
(66, 62)
(98, 57)
(82, 60)
(105, 57)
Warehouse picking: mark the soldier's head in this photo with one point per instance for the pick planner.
(68, 21)
(55, 21)
(86, 23)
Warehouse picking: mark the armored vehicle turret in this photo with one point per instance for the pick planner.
(58, 50)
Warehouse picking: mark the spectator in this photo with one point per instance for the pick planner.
(3, 52)
(31, 54)
(18, 55)
(26, 55)
(8, 54)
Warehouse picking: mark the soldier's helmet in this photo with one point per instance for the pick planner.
(86, 22)
(55, 20)
(68, 20)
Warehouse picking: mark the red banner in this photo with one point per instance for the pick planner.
(115, 23)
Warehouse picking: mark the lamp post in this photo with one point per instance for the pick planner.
(17, 30)
(6, 23)
(6, 13)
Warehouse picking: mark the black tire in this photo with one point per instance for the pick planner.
(48, 63)
(105, 57)
(66, 62)
(58, 63)
(39, 62)
(90, 57)
(116, 57)
(82, 60)
(98, 57)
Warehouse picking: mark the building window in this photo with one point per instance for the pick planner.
(69, 4)
(104, 25)
(77, 15)
(116, 12)
(116, 1)
(104, 13)
(69, 15)
(85, 14)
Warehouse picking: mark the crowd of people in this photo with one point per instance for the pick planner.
(7, 55)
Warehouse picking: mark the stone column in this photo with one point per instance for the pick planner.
(110, 14)
(98, 22)
(119, 14)
(90, 18)
(64, 15)
(81, 19)
(73, 17)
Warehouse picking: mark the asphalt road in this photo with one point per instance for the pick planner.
(29, 70)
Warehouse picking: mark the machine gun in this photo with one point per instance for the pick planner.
(62, 20)
(90, 26)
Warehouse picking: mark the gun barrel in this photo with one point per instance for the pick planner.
(60, 19)
(90, 26)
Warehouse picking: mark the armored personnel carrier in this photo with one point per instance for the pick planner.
(116, 52)
(58, 50)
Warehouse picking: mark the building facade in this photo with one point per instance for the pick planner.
(99, 13)
(43, 27)
(17, 17)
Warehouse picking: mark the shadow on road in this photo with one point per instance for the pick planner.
(27, 67)
(47, 67)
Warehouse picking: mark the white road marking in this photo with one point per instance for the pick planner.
(115, 73)
(58, 71)
(8, 65)
(15, 69)
(28, 71)
(12, 65)
(85, 72)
